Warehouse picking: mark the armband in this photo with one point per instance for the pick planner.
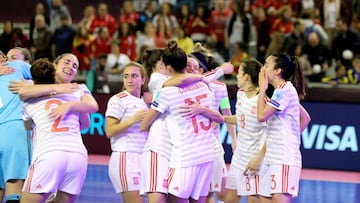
(224, 103)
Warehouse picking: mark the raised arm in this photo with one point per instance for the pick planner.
(264, 111)
(31, 91)
(196, 109)
(183, 79)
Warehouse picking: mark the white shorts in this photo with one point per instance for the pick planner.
(193, 181)
(219, 173)
(154, 173)
(57, 170)
(231, 177)
(124, 171)
(283, 179)
(253, 184)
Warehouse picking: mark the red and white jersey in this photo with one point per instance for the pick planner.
(159, 137)
(283, 131)
(155, 80)
(250, 132)
(190, 138)
(55, 134)
(122, 106)
(220, 92)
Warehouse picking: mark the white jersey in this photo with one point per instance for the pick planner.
(190, 138)
(283, 139)
(250, 132)
(122, 106)
(155, 80)
(159, 138)
(220, 92)
(55, 134)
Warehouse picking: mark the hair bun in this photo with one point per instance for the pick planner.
(172, 45)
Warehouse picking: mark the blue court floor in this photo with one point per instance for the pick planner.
(98, 189)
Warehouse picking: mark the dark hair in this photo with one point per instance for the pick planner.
(43, 71)
(291, 70)
(252, 68)
(175, 57)
(150, 58)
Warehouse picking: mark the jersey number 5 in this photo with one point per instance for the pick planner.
(203, 126)
(55, 127)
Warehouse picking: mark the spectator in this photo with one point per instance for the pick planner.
(64, 37)
(101, 43)
(283, 23)
(146, 38)
(81, 48)
(240, 54)
(127, 39)
(237, 27)
(19, 39)
(184, 41)
(58, 9)
(340, 76)
(39, 9)
(345, 39)
(262, 25)
(167, 14)
(184, 16)
(296, 36)
(88, 17)
(162, 34)
(217, 24)
(147, 15)
(128, 15)
(42, 43)
(319, 57)
(197, 27)
(330, 11)
(115, 62)
(311, 26)
(354, 73)
(103, 19)
(6, 36)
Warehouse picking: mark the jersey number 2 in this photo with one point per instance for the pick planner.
(55, 127)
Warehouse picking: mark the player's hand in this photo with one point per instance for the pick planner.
(252, 166)
(5, 70)
(60, 111)
(191, 110)
(15, 86)
(139, 116)
(263, 80)
(227, 67)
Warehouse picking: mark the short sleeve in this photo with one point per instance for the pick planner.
(115, 108)
(160, 102)
(278, 100)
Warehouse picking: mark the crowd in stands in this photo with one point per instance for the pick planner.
(324, 34)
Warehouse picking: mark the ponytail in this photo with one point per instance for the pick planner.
(298, 77)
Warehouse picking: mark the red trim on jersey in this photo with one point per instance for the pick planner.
(219, 83)
(171, 175)
(122, 95)
(29, 178)
(210, 72)
(122, 171)
(282, 85)
(257, 182)
(153, 171)
(285, 178)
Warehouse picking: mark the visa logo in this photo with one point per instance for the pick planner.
(330, 138)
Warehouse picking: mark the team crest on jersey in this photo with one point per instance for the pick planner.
(136, 180)
(278, 95)
(253, 110)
